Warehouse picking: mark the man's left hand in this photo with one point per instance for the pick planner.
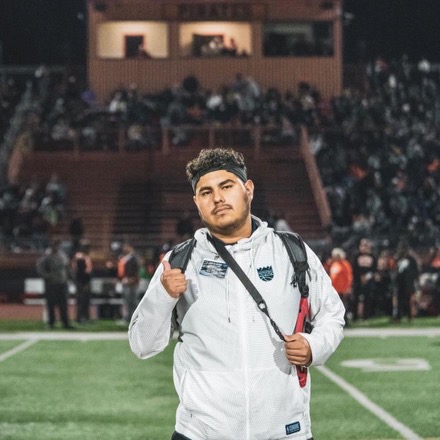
(297, 349)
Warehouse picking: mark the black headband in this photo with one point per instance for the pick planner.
(239, 171)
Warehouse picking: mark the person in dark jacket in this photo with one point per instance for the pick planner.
(82, 268)
(53, 267)
(364, 269)
(406, 283)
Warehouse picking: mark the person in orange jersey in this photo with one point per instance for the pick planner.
(341, 274)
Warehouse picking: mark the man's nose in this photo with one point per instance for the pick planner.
(218, 196)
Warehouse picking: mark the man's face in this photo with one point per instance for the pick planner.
(223, 201)
(365, 246)
(126, 249)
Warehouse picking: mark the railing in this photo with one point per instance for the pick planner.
(119, 137)
(315, 179)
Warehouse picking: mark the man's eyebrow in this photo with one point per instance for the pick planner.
(223, 182)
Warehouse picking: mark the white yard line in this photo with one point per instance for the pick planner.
(90, 336)
(30, 338)
(386, 332)
(64, 336)
(378, 411)
(17, 349)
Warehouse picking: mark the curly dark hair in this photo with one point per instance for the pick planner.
(216, 159)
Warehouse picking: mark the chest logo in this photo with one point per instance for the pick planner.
(265, 273)
(213, 268)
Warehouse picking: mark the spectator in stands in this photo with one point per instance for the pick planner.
(76, 232)
(88, 96)
(48, 209)
(53, 203)
(142, 52)
(53, 267)
(81, 269)
(118, 105)
(128, 273)
(40, 232)
(136, 139)
(281, 223)
(57, 189)
(341, 274)
(184, 227)
(62, 133)
(230, 49)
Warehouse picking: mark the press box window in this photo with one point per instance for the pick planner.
(215, 39)
(132, 39)
(300, 39)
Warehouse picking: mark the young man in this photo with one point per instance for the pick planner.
(235, 378)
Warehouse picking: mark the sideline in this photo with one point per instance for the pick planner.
(387, 332)
(64, 336)
(17, 349)
(377, 411)
(123, 335)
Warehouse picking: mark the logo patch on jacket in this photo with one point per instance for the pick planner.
(265, 273)
(292, 428)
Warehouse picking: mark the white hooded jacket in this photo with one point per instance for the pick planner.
(230, 371)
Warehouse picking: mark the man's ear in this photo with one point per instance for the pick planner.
(195, 202)
(249, 185)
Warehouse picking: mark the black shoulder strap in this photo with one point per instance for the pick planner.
(179, 258)
(298, 256)
(181, 254)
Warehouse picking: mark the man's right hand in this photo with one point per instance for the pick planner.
(173, 280)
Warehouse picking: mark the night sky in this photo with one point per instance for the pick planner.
(49, 31)
(391, 28)
(54, 31)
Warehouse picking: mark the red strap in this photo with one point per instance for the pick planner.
(300, 327)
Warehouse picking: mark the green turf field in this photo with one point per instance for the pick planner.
(96, 389)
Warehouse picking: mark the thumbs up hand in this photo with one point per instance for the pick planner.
(173, 280)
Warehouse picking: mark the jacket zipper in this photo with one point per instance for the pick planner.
(243, 337)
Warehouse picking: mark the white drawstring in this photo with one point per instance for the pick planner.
(252, 275)
(228, 306)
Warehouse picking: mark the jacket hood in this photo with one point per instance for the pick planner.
(258, 236)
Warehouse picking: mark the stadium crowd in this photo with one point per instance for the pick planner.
(376, 146)
(28, 213)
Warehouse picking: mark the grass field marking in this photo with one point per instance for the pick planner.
(17, 349)
(66, 336)
(378, 411)
(386, 332)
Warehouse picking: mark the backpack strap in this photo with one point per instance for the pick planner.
(181, 254)
(179, 258)
(298, 256)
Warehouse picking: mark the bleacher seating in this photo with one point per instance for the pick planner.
(138, 197)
